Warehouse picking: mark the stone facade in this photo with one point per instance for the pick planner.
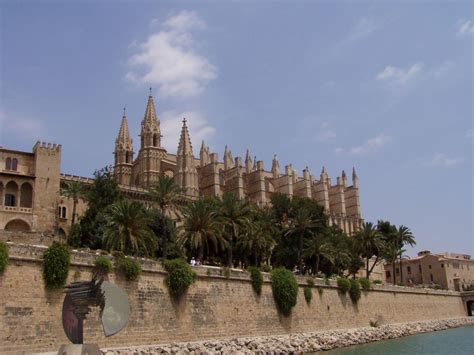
(448, 270)
(215, 307)
(31, 200)
(207, 176)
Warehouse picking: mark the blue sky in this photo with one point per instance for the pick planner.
(386, 87)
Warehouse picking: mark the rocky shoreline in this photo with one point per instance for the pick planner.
(295, 343)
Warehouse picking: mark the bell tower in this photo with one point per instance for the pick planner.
(123, 154)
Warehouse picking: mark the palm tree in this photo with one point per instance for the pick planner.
(320, 248)
(235, 215)
(404, 236)
(258, 239)
(302, 225)
(75, 190)
(165, 193)
(370, 244)
(127, 228)
(201, 228)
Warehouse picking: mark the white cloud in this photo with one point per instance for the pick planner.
(169, 59)
(171, 123)
(325, 133)
(370, 146)
(364, 27)
(466, 28)
(399, 75)
(442, 160)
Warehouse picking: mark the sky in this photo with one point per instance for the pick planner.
(382, 86)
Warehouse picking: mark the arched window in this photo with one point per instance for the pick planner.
(14, 164)
(26, 196)
(127, 157)
(11, 193)
(155, 140)
(64, 212)
(8, 164)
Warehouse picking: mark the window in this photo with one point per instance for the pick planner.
(429, 267)
(387, 274)
(62, 212)
(397, 270)
(419, 268)
(8, 163)
(10, 200)
(442, 266)
(14, 164)
(409, 270)
(431, 278)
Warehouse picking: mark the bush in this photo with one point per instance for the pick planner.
(3, 256)
(310, 281)
(365, 283)
(103, 265)
(354, 291)
(320, 291)
(55, 265)
(129, 267)
(180, 276)
(285, 289)
(308, 295)
(377, 282)
(344, 284)
(257, 279)
(265, 268)
(374, 323)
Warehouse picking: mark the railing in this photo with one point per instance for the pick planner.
(16, 209)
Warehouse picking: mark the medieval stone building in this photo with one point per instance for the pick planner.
(31, 200)
(209, 176)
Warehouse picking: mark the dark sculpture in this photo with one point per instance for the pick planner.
(81, 295)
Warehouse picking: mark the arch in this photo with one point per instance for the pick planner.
(8, 163)
(156, 140)
(470, 307)
(14, 164)
(26, 195)
(61, 232)
(11, 194)
(18, 225)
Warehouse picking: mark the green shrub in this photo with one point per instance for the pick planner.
(265, 268)
(103, 265)
(129, 267)
(365, 284)
(308, 294)
(310, 281)
(344, 284)
(257, 279)
(56, 261)
(374, 323)
(377, 282)
(285, 289)
(3, 256)
(180, 276)
(354, 291)
(320, 291)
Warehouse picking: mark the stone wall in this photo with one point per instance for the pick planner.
(215, 307)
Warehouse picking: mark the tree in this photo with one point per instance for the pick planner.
(319, 248)
(165, 193)
(127, 229)
(370, 244)
(404, 237)
(75, 190)
(102, 193)
(201, 228)
(165, 232)
(234, 215)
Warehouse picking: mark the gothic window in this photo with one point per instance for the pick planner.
(10, 200)
(11, 193)
(26, 196)
(155, 140)
(8, 164)
(14, 164)
(62, 212)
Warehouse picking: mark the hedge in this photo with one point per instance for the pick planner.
(56, 262)
(285, 289)
(257, 279)
(180, 276)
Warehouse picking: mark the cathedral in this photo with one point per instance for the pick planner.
(209, 176)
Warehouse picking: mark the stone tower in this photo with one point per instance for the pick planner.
(148, 165)
(123, 154)
(186, 175)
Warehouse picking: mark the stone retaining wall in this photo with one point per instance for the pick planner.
(215, 307)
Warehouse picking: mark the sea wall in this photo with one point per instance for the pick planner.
(216, 306)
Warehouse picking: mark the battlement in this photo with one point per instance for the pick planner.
(46, 145)
(82, 179)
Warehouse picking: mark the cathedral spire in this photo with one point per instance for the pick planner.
(275, 167)
(204, 154)
(123, 153)
(248, 162)
(123, 137)
(186, 174)
(150, 130)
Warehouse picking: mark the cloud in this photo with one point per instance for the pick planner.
(169, 59)
(442, 160)
(364, 27)
(171, 123)
(443, 69)
(399, 75)
(370, 146)
(466, 28)
(325, 133)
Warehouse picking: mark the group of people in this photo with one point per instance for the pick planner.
(194, 262)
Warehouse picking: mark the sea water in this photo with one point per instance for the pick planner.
(452, 341)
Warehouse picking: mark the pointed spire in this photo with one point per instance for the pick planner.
(150, 131)
(150, 112)
(184, 146)
(254, 162)
(248, 162)
(228, 161)
(275, 167)
(355, 178)
(204, 154)
(344, 178)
